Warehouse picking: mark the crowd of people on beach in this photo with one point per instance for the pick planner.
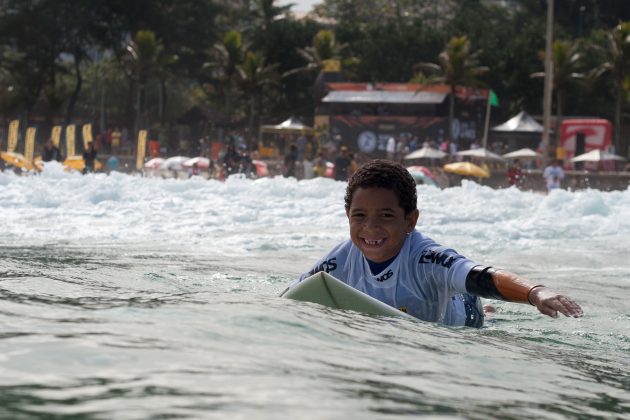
(305, 156)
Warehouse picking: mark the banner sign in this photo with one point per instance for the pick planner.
(70, 140)
(29, 147)
(87, 135)
(13, 135)
(142, 149)
(55, 135)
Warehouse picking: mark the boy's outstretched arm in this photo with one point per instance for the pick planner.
(491, 283)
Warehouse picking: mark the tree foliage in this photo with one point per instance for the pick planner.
(62, 60)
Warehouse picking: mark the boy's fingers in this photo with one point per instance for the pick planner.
(562, 304)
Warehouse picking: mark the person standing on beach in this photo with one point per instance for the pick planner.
(391, 148)
(51, 152)
(89, 158)
(342, 164)
(290, 160)
(553, 175)
(515, 174)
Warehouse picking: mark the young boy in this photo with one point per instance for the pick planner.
(389, 260)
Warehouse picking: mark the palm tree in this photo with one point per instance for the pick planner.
(616, 63)
(323, 53)
(567, 59)
(457, 65)
(146, 58)
(255, 74)
(324, 56)
(222, 68)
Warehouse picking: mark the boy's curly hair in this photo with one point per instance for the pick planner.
(381, 173)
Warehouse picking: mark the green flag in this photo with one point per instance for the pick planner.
(494, 99)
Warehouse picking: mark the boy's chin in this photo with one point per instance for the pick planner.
(376, 257)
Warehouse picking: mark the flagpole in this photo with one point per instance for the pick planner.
(487, 123)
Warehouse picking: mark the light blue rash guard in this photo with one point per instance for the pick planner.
(425, 280)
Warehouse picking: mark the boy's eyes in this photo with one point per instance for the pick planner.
(385, 215)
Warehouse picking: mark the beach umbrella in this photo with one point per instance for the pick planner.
(597, 155)
(175, 162)
(481, 153)
(525, 153)
(426, 153)
(261, 168)
(155, 163)
(466, 169)
(422, 175)
(18, 160)
(76, 162)
(329, 172)
(202, 162)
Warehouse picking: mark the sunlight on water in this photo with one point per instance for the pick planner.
(130, 297)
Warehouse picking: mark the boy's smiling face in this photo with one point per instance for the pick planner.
(378, 225)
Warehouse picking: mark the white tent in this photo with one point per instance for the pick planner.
(597, 155)
(520, 123)
(426, 153)
(481, 153)
(525, 153)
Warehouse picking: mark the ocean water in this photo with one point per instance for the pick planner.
(131, 298)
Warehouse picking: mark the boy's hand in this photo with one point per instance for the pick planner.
(550, 303)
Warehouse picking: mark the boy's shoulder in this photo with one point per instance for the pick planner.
(420, 242)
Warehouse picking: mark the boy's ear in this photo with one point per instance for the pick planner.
(412, 219)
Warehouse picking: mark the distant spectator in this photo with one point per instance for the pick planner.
(194, 170)
(116, 135)
(112, 164)
(290, 160)
(553, 175)
(391, 148)
(453, 150)
(231, 160)
(89, 158)
(413, 144)
(51, 152)
(319, 165)
(353, 165)
(445, 147)
(301, 147)
(342, 164)
(515, 173)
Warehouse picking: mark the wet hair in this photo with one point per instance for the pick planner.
(381, 173)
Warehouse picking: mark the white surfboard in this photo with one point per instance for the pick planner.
(326, 290)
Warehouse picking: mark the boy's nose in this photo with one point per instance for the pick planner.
(371, 222)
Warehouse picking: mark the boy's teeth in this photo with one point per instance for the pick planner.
(369, 242)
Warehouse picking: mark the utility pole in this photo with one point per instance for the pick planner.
(548, 83)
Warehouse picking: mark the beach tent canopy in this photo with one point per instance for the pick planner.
(525, 153)
(520, 123)
(481, 153)
(597, 155)
(290, 126)
(384, 97)
(426, 153)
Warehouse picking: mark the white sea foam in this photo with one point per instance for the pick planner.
(279, 213)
